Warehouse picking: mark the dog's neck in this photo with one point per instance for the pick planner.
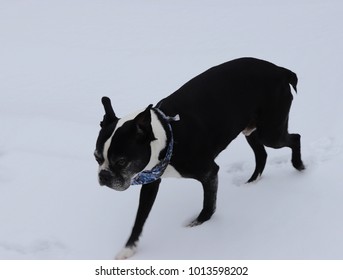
(160, 143)
(161, 151)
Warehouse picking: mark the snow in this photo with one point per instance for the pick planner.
(58, 58)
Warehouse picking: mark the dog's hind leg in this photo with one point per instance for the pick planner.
(260, 156)
(210, 187)
(146, 201)
(293, 142)
(280, 138)
(272, 127)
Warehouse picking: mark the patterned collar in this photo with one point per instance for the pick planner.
(149, 176)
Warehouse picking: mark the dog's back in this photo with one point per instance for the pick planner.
(218, 104)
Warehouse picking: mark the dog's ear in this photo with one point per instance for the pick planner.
(143, 123)
(110, 116)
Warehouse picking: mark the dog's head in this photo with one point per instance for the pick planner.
(123, 147)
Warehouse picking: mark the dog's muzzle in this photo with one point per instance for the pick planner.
(106, 178)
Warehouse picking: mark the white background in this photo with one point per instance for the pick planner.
(58, 58)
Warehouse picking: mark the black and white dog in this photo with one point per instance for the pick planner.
(184, 133)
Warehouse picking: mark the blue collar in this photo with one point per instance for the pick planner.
(149, 176)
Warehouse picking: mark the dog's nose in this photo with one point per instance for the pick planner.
(105, 177)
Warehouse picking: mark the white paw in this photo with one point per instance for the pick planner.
(194, 223)
(126, 253)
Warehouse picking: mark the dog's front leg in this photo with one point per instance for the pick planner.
(146, 201)
(210, 187)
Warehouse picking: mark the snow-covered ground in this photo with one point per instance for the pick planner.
(58, 58)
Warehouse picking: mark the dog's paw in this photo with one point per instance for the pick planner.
(254, 178)
(194, 223)
(126, 252)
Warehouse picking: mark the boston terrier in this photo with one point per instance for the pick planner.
(184, 133)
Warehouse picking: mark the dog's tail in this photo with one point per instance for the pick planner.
(292, 78)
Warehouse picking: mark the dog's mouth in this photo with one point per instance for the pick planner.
(116, 186)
